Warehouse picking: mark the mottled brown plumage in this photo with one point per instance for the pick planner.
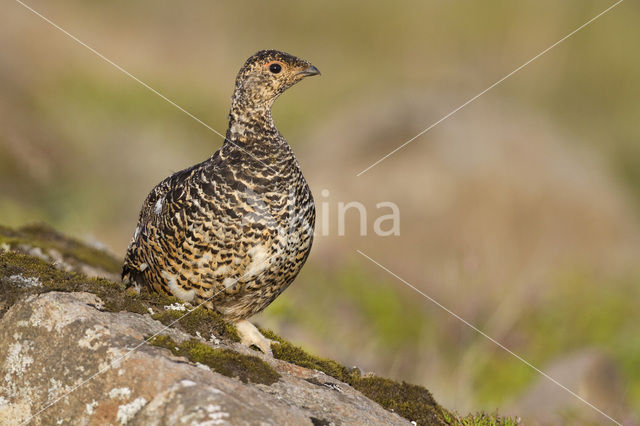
(233, 231)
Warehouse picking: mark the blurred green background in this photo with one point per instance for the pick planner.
(521, 213)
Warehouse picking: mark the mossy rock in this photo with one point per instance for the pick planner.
(482, 419)
(296, 355)
(199, 322)
(22, 274)
(412, 402)
(224, 361)
(47, 238)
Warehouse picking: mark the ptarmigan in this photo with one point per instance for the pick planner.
(233, 231)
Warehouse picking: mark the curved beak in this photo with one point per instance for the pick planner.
(310, 70)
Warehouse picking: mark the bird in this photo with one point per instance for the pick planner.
(232, 232)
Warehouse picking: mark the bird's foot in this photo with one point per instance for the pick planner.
(250, 335)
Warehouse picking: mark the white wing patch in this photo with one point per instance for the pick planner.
(258, 263)
(176, 290)
(204, 260)
(228, 282)
(221, 270)
(158, 207)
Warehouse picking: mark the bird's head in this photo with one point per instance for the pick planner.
(268, 73)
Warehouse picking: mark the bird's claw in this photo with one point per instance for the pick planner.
(250, 335)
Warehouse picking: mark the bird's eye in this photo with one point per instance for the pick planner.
(275, 68)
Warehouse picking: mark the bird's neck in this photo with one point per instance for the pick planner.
(250, 123)
(252, 138)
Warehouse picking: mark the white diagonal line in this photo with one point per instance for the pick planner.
(128, 74)
(490, 87)
(449, 311)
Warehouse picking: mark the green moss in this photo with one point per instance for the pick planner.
(412, 402)
(45, 237)
(15, 266)
(199, 321)
(482, 419)
(224, 361)
(115, 299)
(296, 355)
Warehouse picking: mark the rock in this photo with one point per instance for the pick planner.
(86, 366)
(76, 349)
(65, 253)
